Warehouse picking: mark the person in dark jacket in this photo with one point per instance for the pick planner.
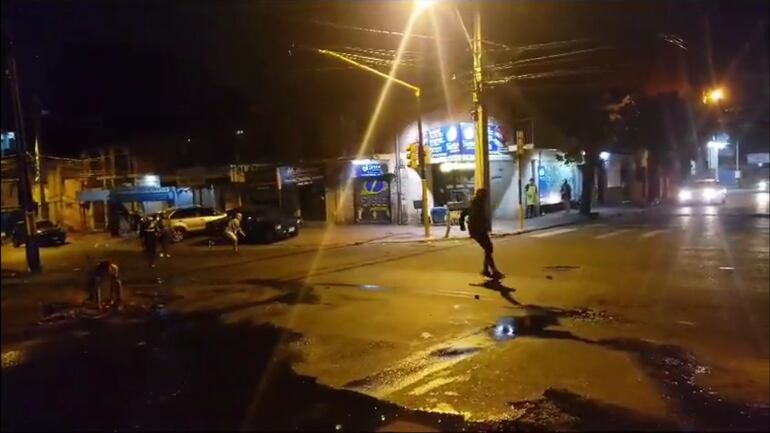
(478, 228)
(566, 195)
(150, 240)
(165, 233)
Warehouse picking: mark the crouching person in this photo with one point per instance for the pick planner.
(105, 272)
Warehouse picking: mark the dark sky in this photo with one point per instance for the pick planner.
(116, 70)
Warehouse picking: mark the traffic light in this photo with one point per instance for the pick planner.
(412, 157)
(519, 141)
(427, 155)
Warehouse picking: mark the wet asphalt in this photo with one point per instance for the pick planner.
(656, 321)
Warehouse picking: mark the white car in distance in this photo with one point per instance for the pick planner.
(191, 220)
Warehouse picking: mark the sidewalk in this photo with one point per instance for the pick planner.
(332, 235)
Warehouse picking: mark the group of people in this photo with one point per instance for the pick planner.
(155, 231)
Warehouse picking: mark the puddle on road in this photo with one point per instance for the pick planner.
(671, 367)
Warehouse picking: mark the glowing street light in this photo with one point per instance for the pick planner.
(714, 96)
(421, 5)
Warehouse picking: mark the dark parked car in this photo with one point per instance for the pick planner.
(48, 233)
(260, 223)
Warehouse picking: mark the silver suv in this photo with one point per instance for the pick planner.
(192, 219)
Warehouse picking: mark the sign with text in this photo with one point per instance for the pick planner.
(456, 142)
(371, 169)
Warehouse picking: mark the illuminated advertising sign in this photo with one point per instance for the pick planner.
(456, 142)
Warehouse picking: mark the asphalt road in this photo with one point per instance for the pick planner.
(653, 321)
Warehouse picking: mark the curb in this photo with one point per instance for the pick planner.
(594, 215)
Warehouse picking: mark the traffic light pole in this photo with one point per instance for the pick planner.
(25, 187)
(421, 148)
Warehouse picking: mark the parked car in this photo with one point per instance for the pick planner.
(704, 191)
(47, 233)
(191, 220)
(260, 224)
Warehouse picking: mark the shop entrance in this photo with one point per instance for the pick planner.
(372, 200)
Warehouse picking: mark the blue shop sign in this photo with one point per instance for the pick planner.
(371, 169)
(142, 194)
(457, 142)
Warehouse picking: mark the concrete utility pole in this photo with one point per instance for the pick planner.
(481, 176)
(25, 187)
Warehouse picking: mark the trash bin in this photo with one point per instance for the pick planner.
(438, 215)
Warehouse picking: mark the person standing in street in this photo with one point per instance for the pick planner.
(478, 228)
(531, 196)
(566, 195)
(150, 240)
(233, 229)
(165, 233)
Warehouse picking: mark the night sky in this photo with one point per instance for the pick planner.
(110, 71)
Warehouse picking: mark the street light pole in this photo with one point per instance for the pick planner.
(421, 147)
(481, 176)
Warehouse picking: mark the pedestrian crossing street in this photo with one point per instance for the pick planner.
(604, 232)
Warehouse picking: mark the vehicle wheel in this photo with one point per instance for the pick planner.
(178, 234)
(270, 237)
(296, 233)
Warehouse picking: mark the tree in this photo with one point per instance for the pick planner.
(589, 121)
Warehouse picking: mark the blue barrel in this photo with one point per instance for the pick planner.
(438, 215)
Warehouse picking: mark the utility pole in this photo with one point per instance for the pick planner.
(25, 188)
(421, 159)
(238, 138)
(520, 168)
(39, 180)
(481, 176)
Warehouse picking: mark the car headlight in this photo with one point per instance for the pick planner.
(685, 195)
(278, 226)
(709, 193)
(762, 185)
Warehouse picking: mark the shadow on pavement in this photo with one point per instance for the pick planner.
(673, 369)
(189, 372)
(498, 286)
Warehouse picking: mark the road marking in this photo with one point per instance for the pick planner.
(652, 233)
(611, 234)
(552, 233)
(685, 322)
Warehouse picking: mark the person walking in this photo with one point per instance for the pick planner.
(478, 228)
(165, 233)
(531, 196)
(566, 196)
(233, 229)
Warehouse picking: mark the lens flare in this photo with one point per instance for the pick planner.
(347, 192)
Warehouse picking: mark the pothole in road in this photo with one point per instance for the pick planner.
(537, 321)
(453, 352)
